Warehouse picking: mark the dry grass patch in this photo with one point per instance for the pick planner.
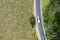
(14, 23)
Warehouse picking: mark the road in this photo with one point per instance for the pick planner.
(39, 19)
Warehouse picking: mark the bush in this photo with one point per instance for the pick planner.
(32, 21)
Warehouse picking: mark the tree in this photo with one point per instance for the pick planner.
(32, 21)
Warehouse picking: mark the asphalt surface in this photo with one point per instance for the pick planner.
(38, 17)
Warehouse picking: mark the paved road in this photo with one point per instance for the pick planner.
(38, 16)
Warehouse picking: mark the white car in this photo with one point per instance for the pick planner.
(38, 19)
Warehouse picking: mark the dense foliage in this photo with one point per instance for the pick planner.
(32, 21)
(52, 20)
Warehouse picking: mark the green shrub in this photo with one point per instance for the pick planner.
(32, 21)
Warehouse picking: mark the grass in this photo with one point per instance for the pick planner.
(14, 23)
(45, 3)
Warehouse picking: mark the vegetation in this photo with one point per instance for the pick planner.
(14, 23)
(36, 38)
(32, 21)
(51, 19)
